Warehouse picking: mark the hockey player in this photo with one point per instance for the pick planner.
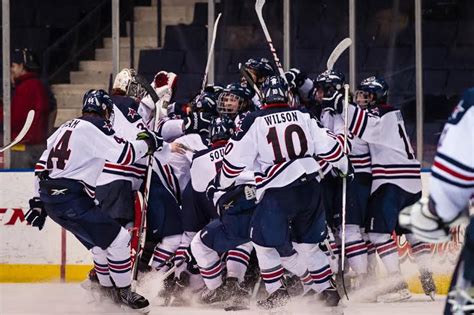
(230, 233)
(68, 171)
(279, 143)
(179, 165)
(256, 71)
(358, 189)
(451, 191)
(164, 84)
(117, 182)
(396, 181)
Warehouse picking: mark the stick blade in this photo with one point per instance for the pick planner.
(337, 52)
(259, 6)
(26, 127)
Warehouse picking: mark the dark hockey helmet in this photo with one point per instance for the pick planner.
(221, 128)
(259, 69)
(99, 102)
(371, 91)
(207, 101)
(330, 81)
(234, 99)
(275, 90)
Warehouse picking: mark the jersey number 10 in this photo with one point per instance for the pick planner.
(272, 138)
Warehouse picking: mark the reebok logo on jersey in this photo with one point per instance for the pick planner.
(57, 192)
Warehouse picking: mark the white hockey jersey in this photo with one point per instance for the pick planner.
(127, 124)
(452, 173)
(358, 149)
(79, 148)
(392, 157)
(280, 145)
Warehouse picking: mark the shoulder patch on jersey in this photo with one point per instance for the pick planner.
(382, 110)
(103, 125)
(127, 106)
(462, 107)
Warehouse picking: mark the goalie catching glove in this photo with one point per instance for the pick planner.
(36, 215)
(154, 142)
(422, 220)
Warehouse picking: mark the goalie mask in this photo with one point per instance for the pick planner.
(125, 83)
(371, 91)
(234, 99)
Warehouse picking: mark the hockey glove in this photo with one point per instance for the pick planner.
(349, 173)
(154, 142)
(36, 215)
(334, 101)
(295, 78)
(424, 222)
(197, 123)
(164, 83)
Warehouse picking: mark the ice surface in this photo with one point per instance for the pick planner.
(58, 298)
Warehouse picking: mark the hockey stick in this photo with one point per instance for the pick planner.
(211, 52)
(23, 131)
(344, 190)
(250, 81)
(259, 10)
(337, 52)
(148, 88)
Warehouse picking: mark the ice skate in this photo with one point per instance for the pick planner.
(395, 293)
(239, 297)
(277, 299)
(294, 285)
(330, 296)
(133, 300)
(175, 298)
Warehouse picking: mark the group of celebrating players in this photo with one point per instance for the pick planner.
(246, 186)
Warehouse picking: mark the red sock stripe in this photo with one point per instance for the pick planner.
(307, 279)
(239, 254)
(321, 275)
(272, 275)
(211, 272)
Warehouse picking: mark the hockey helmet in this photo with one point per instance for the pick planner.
(371, 91)
(234, 99)
(207, 100)
(221, 128)
(275, 90)
(99, 102)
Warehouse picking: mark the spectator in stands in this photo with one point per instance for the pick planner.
(29, 93)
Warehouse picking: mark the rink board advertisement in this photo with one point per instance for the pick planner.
(52, 254)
